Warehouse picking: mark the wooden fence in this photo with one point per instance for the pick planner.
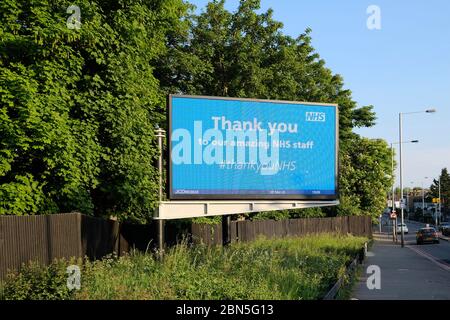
(250, 230)
(43, 238)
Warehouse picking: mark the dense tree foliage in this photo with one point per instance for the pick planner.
(445, 190)
(246, 54)
(78, 107)
(365, 176)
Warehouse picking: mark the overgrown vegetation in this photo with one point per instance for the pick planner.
(290, 268)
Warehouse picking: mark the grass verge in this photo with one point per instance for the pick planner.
(288, 268)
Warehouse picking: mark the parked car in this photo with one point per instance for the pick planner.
(427, 235)
(446, 230)
(402, 226)
(444, 225)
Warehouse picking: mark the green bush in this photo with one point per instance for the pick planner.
(36, 282)
(289, 268)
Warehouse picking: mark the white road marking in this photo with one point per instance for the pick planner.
(430, 257)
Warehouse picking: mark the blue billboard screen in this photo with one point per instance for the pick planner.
(226, 148)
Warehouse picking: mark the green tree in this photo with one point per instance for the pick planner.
(245, 54)
(365, 178)
(78, 107)
(445, 190)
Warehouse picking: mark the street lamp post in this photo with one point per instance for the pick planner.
(423, 198)
(394, 231)
(392, 171)
(394, 224)
(400, 129)
(440, 212)
(438, 207)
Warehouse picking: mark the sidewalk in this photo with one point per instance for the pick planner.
(404, 274)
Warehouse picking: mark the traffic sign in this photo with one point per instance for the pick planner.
(393, 215)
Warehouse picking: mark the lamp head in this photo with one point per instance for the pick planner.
(430, 111)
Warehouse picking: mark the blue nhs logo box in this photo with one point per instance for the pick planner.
(316, 116)
(232, 148)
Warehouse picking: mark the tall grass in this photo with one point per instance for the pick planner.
(289, 268)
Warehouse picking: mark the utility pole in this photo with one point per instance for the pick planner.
(400, 128)
(423, 200)
(394, 221)
(440, 212)
(436, 217)
(393, 185)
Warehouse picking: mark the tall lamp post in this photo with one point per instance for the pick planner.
(400, 131)
(440, 212)
(439, 204)
(423, 197)
(393, 185)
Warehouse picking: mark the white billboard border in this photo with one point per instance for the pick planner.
(190, 197)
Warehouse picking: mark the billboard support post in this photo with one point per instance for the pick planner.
(226, 230)
(160, 134)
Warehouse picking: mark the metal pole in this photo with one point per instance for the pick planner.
(226, 230)
(440, 212)
(401, 176)
(436, 218)
(394, 231)
(423, 200)
(393, 184)
(395, 228)
(160, 134)
(160, 164)
(394, 235)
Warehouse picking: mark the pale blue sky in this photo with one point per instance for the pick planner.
(403, 67)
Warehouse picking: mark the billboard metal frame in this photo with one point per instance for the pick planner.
(168, 210)
(172, 196)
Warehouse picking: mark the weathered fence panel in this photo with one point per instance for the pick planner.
(248, 230)
(43, 238)
(38, 238)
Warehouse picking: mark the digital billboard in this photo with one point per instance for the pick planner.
(230, 148)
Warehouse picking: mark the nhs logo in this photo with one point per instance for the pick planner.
(315, 116)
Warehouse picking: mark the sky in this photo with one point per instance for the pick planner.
(402, 67)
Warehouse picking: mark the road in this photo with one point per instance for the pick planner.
(438, 252)
(414, 272)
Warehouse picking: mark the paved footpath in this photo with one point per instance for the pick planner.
(410, 273)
